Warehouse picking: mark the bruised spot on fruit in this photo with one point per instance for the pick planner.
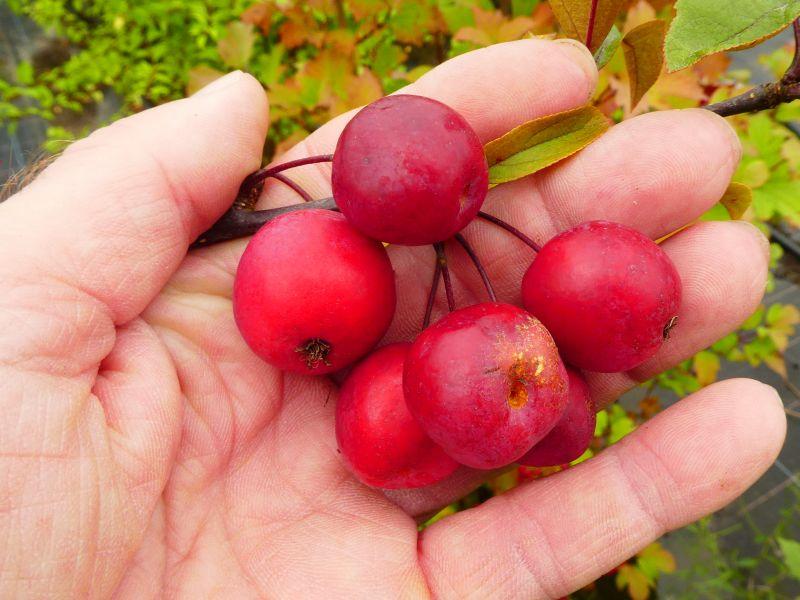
(669, 326)
(521, 372)
(313, 352)
(465, 195)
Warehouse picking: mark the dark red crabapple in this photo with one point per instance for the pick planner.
(409, 170)
(380, 440)
(486, 383)
(572, 434)
(311, 293)
(607, 293)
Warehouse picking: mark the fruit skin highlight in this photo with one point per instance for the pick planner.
(607, 294)
(486, 383)
(409, 170)
(573, 433)
(382, 443)
(312, 294)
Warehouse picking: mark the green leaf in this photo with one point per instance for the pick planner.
(791, 555)
(726, 344)
(573, 16)
(25, 73)
(621, 424)
(542, 142)
(702, 27)
(737, 199)
(601, 424)
(644, 57)
(608, 48)
(754, 320)
(200, 77)
(654, 560)
(523, 8)
(236, 47)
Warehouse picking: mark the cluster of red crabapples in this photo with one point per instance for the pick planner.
(487, 385)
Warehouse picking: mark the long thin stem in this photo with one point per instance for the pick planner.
(511, 229)
(590, 28)
(238, 223)
(793, 72)
(292, 184)
(254, 179)
(478, 265)
(448, 285)
(437, 275)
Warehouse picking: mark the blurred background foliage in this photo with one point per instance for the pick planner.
(320, 58)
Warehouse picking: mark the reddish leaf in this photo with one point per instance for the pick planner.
(236, 47)
(644, 57)
(573, 16)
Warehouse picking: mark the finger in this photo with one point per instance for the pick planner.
(723, 268)
(548, 538)
(655, 173)
(538, 77)
(113, 216)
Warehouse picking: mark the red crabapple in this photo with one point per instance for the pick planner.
(380, 440)
(311, 293)
(486, 383)
(409, 170)
(572, 434)
(607, 293)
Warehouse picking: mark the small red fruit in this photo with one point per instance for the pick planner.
(409, 170)
(608, 294)
(311, 293)
(380, 440)
(572, 434)
(486, 383)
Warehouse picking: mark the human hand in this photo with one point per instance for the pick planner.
(147, 452)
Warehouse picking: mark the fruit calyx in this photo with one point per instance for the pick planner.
(313, 352)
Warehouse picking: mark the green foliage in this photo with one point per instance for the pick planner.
(702, 27)
(718, 568)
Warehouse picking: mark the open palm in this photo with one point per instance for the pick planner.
(146, 452)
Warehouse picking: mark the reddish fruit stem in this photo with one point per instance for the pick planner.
(255, 179)
(295, 186)
(448, 285)
(476, 261)
(437, 275)
(511, 229)
(590, 28)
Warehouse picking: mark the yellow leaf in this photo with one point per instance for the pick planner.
(706, 367)
(542, 142)
(493, 27)
(636, 582)
(573, 16)
(737, 199)
(644, 57)
(754, 174)
(777, 364)
(658, 556)
(200, 77)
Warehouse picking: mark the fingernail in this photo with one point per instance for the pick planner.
(580, 55)
(775, 393)
(219, 84)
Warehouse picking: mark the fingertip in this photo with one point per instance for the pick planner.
(581, 56)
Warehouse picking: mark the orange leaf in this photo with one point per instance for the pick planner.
(363, 9)
(260, 15)
(236, 47)
(644, 57)
(638, 14)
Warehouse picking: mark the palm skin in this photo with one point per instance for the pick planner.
(146, 452)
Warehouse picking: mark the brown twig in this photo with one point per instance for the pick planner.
(476, 261)
(238, 222)
(766, 95)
